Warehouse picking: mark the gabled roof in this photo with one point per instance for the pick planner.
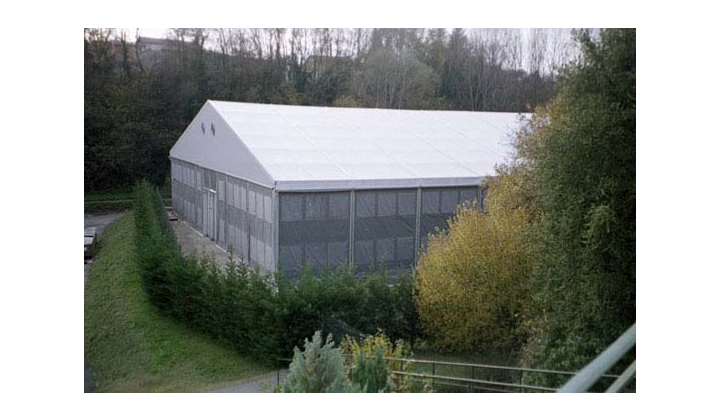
(315, 148)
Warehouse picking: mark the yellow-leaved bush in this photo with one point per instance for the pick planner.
(473, 279)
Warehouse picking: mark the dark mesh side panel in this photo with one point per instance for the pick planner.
(246, 217)
(314, 230)
(187, 192)
(469, 196)
(385, 228)
(439, 206)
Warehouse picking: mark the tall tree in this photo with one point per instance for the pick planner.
(581, 151)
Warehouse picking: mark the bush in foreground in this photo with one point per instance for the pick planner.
(362, 365)
(319, 368)
(369, 363)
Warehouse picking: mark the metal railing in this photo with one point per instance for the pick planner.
(580, 381)
(472, 383)
(594, 370)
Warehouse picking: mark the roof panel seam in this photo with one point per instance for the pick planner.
(319, 149)
(472, 171)
(385, 152)
(469, 137)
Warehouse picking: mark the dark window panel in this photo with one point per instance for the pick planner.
(315, 207)
(364, 252)
(365, 204)
(449, 201)
(405, 248)
(267, 229)
(385, 250)
(314, 231)
(251, 202)
(407, 203)
(316, 254)
(339, 206)
(291, 207)
(387, 203)
(468, 195)
(337, 253)
(430, 202)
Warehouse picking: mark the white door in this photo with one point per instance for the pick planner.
(211, 215)
(205, 213)
(209, 206)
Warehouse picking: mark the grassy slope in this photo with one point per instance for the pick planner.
(131, 346)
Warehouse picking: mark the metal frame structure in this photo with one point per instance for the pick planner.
(472, 383)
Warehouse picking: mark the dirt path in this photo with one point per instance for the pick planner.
(266, 383)
(193, 242)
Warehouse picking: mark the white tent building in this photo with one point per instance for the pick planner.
(290, 186)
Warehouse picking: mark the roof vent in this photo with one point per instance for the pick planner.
(212, 128)
(202, 127)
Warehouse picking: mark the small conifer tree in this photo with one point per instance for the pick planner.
(319, 368)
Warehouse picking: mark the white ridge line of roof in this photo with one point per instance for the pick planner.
(438, 150)
(319, 149)
(239, 139)
(468, 137)
(385, 152)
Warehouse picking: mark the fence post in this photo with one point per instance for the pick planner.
(470, 385)
(433, 374)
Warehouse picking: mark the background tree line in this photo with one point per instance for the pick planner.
(140, 96)
(549, 269)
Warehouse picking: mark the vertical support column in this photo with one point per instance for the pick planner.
(351, 245)
(418, 209)
(247, 220)
(481, 198)
(276, 229)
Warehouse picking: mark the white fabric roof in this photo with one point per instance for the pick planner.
(315, 148)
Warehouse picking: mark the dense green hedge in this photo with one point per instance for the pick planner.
(262, 315)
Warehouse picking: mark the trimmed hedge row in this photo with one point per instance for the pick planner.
(264, 316)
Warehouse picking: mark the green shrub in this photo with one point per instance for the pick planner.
(319, 368)
(370, 372)
(369, 367)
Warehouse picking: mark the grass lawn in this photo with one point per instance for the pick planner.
(131, 346)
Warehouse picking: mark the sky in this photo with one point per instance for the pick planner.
(148, 32)
(210, 43)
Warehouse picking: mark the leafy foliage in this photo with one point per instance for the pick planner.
(552, 263)
(473, 279)
(581, 153)
(368, 367)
